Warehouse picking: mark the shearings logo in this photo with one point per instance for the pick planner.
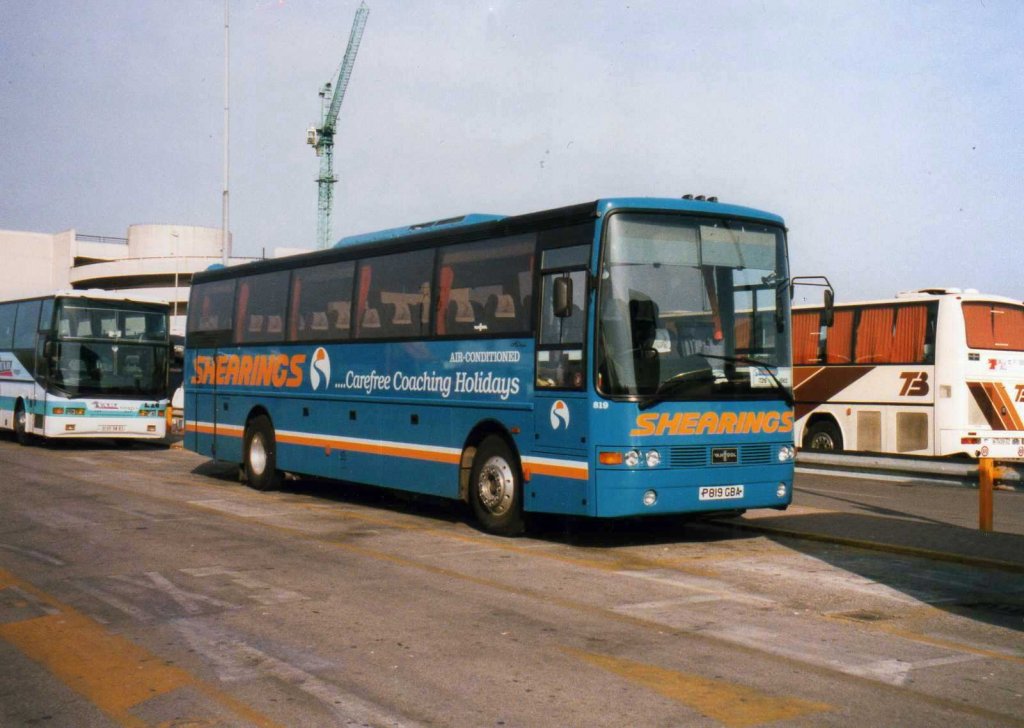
(559, 415)
(320, 369)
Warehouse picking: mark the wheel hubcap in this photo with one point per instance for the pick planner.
(257, 455)
(496, 486)
(822, 441)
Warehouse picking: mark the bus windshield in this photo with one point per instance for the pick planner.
(103, 349)
(693, 308)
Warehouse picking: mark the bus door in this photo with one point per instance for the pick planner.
(561, 401)
(211, 313)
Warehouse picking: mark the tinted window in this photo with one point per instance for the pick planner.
(485, 287)
(322, 302)
(26, 324)
(261, 306)
(393, 295)
(7, 314)
(210, 306)
(567, 329)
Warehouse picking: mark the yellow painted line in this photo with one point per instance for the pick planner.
(728, 703)
(113, 673)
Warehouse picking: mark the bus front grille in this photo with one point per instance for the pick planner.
(755, 454)
(699, 456)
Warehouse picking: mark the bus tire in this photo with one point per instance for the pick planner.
(496, 488)
(260, 455)
(824, 435)
(21, 433)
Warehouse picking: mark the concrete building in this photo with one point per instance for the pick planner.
(154, 261)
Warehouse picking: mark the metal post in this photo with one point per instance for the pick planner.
(225, 242)
(986, 478)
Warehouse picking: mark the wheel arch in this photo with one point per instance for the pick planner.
(818, 417)
(255, 412)
(477, 435)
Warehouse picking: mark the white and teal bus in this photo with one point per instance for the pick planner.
(83, 364)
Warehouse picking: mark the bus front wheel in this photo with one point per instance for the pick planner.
(261, 455)
(21, 433)
(496, 488)
(824, 435)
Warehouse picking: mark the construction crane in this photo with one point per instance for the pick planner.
(322, 137)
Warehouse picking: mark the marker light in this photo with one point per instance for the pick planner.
(610, 458)
(650, 498)
(653, 459)
(633, 458)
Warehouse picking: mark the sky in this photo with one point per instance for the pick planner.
(889, 135)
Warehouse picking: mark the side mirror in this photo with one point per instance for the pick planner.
(821, 282)
(562, 295)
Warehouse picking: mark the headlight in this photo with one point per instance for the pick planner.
(786, 453)
(650, 498)
(632, 458)
(653, 459)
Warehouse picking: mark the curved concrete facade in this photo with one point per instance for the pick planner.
(161, 241)
(154, 261)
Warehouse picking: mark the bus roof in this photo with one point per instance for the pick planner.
(478, 225)
(925, 294)
(93, 294)
(602, 206)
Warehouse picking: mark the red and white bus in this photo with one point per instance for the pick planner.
(929, 372)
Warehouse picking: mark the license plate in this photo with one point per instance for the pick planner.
(112, 428)
(720, 492)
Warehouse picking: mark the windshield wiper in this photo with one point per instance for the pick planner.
(787, 395)
(689, 377)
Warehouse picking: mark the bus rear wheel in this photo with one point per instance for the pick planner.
(21, 433)
(260, 455)
(496, 488)
(824, 435)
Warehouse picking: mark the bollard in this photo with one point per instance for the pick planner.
(986, 478)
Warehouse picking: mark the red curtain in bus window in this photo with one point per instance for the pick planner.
(243, 306)
(806, 329)
(874, 336)
(839, 338)
(742, 329)
(978, 322)
(293, 320)
(445, 281)
(716, 317)
(365, 276)
(1008, 327)
(911, 327)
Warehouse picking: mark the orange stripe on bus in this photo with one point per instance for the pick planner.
(578, 472)
(402, 451)
(1006, 407)
(558, 471)
(205, 429)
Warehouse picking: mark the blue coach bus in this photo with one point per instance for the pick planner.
(623, 357)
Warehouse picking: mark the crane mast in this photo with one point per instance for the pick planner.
(322, 138)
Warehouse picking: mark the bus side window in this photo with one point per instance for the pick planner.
(7, 315)
(321, 302)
